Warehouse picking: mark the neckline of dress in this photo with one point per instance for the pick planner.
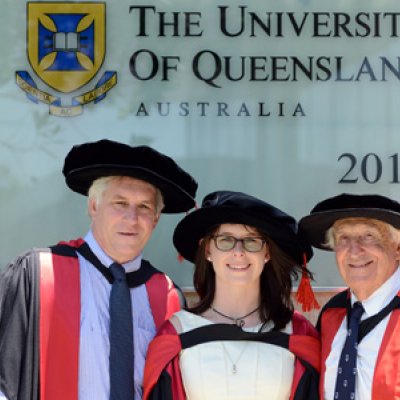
(209, 322)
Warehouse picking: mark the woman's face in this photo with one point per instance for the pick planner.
(237, 266)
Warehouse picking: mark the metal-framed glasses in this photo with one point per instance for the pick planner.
(249, 243)
(344, 240)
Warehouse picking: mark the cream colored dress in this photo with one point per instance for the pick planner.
(230, 370)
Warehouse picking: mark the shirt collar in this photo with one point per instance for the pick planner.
(130, 266)
(381, 297)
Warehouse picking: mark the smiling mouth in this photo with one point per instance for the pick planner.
(359, 266)
(238, 267)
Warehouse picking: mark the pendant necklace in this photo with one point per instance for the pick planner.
(239, 321)
(234, 363)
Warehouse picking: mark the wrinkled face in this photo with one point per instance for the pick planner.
(124, 217)
(237, 266)
(366, 254)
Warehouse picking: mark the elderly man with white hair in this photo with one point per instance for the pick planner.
(360, 327)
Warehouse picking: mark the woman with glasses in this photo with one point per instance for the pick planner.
(242, 340)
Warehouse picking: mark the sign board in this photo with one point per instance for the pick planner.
(292, 102)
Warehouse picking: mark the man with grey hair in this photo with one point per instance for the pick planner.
(360, 326)
(76, 318)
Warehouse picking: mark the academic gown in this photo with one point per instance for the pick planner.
(386, 381)
(162, 376)
(40, 320)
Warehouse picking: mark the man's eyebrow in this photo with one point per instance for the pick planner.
(118, 196)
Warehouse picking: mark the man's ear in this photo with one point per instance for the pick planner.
(156, 219)
(398, 253)
(92, 207)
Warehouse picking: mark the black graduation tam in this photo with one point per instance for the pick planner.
(328, 211)
(90, 161)
(226, 207)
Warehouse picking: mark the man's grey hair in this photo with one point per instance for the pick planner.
(99, 185)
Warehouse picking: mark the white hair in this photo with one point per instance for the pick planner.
(99, 185)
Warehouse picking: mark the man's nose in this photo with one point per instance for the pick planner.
(355, 245)
(132, 213)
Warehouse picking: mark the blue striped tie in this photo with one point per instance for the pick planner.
(347, 369)
(121, 337)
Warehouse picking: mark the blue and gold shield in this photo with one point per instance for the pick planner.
(66, 42)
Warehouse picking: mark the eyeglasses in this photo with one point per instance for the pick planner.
(365, 240)
(227, 243)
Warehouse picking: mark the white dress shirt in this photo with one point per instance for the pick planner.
(367, 352)
(94, 347)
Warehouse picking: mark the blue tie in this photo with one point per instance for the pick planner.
(121, 337)
(347, 369)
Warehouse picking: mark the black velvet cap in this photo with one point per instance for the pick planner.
(90, 161)
(227, 207)
(345, 205)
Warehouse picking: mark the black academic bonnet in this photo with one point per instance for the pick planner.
(328, 211)
(90, 161)
(226, 207)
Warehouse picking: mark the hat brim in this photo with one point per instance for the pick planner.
(176, 199)
(317, 224)
(196, 225)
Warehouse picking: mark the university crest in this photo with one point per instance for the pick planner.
(66, 49)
